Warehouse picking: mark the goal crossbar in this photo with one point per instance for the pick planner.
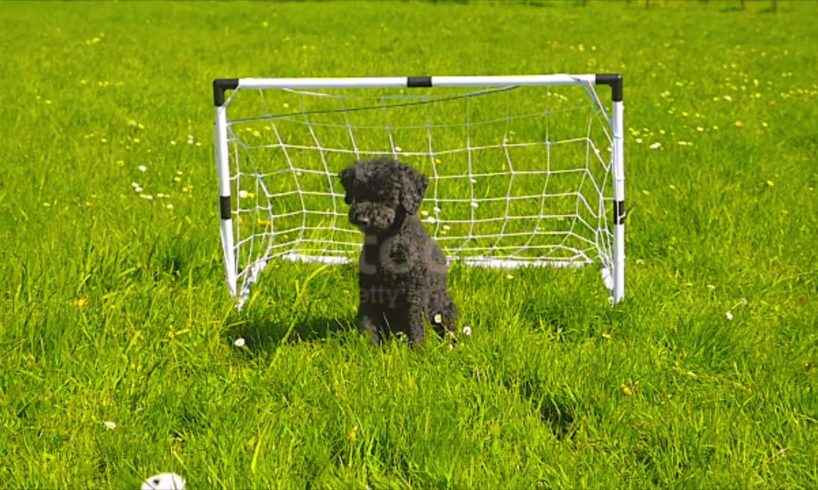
(613, 272)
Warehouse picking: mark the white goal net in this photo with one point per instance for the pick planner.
(520, 174)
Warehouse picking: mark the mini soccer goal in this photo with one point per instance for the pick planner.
(524, 171)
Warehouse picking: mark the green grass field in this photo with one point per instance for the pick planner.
(117, 329)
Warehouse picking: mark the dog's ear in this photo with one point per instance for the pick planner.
(413, 187)
(346, 176)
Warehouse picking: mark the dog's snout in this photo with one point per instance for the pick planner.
(359, 219)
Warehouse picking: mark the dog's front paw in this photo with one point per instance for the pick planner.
(369, 329)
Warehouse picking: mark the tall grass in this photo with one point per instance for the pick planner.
(114, 307)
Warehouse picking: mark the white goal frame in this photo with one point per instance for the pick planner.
(616, 279)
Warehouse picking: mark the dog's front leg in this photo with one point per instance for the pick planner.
(369, 327)
(417, 326)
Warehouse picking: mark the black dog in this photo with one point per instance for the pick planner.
(402, 270)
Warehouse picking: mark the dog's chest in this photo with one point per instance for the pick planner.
(390, 256)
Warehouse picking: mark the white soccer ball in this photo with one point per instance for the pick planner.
(164, 481)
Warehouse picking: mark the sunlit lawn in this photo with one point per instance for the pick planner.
(118, 334)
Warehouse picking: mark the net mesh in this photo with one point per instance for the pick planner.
(517, 175)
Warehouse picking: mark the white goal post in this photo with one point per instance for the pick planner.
(525, 170)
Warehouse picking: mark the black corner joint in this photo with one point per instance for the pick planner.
(225, 207)
(220, 85)
(615, 82)
(414, 82)
(619, 212)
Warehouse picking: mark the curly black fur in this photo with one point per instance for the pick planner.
(403, 271)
